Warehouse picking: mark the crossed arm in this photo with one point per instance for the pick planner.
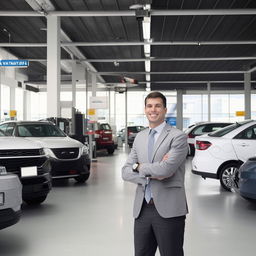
(165, 158)
(158, 170)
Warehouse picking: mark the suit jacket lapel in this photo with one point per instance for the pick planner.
(161, 138)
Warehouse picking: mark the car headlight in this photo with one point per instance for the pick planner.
(3, 170)
(48, 152)
(84, 150)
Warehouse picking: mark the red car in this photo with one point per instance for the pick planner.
(103, 136)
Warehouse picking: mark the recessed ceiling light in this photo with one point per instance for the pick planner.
(136, 6)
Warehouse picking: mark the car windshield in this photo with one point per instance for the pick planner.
(135, 128)
(227, 129)
(39, 130)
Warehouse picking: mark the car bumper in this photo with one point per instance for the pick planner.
(205, 165)
(247, 185)
(34, 187)
(9, 217)
(205, 174)
(70, 168)
(11, 204)
(105, 145)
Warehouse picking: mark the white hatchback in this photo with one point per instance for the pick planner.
(219, 154)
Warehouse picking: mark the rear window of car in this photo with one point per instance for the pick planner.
(207, 128)
(227, 129)
(105, 127)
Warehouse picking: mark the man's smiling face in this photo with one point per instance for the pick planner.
(155, 111)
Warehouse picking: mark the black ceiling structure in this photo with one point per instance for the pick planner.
(192, 42)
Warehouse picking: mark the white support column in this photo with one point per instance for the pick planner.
(114, 108)
(12, 98)
(53, 66)
(0, 96)
(26, 105)
(179, 118)
(126, 120)
(92, 81)
(25, 108)
(209, 100)
(74, 84)
(87, 75)
(94, 85)
(109, 106)
(247, 95)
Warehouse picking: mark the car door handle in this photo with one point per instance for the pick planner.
(244, 145)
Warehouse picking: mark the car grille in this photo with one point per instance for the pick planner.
(20, 152)
(66, 153)
(13, 165)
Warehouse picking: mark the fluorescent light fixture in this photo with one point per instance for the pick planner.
(135, 6)
(147, 7)
(147, 49)
(148, 85)
(148, 77)
(148, 89)
(146, 25)
(147, 65)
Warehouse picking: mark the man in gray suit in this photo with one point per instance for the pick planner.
(156, 164)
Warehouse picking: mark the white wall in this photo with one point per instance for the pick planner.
(9, 76)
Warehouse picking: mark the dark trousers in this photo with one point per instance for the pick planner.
(152, 230)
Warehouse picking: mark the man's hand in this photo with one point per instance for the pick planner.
(166, 156)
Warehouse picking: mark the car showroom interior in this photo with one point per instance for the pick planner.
(76, 122)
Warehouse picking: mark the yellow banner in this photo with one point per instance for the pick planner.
(13, 113)
(240, 113)
(91, 111)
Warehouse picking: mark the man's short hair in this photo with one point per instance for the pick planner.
(156, 95)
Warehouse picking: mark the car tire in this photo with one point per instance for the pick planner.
(82, 178)
(111, 150)
(229, 176)
(36, 200)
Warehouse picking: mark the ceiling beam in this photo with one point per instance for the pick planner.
(171, 59)
(153, 59)
(130, 13)
(171, 72)
(42, 82)
(252, 69)
(200, 12)
(198, 82)
(89, 44)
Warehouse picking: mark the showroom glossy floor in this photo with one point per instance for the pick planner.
(95, 219)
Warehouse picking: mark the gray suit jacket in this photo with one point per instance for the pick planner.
(169, 193)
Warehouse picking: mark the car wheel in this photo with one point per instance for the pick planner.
(36, 200)
(229, 176)
(110, 151)
(82, 178)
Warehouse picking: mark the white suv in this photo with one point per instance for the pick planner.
(69, 158)
(10, 199)
(219, 154)
(29, 161)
